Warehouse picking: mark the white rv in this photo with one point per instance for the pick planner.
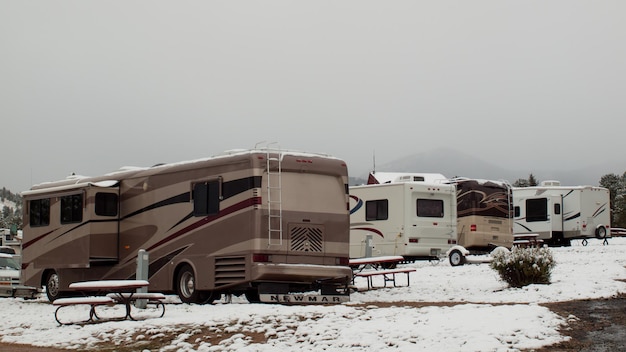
(559, 214)
(410, 215)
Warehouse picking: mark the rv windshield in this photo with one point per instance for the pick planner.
(8, 263)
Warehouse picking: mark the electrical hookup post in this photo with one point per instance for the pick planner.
(142, 274)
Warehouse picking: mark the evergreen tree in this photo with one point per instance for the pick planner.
(521, 182)
(6, 212)
(617, 193)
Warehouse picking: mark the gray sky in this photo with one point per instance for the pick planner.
(90, 86)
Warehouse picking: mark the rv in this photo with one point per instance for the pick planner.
(409, 215)
(272, 225)
(558, 214)
(484, 218)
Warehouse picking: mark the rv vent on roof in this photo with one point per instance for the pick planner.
(551, 183)
(411, 178)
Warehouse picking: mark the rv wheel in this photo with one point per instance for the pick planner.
(186, 286)
(456, 258)
(601, 232)
(52, 286)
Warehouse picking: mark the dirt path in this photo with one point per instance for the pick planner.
(599, 326)
(593, 325)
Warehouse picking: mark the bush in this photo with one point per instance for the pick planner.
(524, 266)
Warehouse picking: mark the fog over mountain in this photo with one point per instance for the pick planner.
(453, 163)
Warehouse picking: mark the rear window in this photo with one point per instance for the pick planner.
(430, 208)
(7, 250)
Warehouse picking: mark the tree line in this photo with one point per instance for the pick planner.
(10, 216)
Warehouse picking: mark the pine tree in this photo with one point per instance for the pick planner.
(521, 182)
(617, 193)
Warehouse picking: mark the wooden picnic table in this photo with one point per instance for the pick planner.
(110, 292)
(375, 262)
(382, 262)
(527, 240)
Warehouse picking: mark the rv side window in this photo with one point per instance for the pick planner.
(39, 212)
(206, 198)
(377, 210)
(430, 208)
(516, 211)
(106, 204)
(537, 209)
(557, 209)
(72, 209)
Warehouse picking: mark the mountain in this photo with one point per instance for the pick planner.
(453, 163)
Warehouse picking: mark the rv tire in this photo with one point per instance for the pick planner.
(53, 287)
(601, 232)
(456, 258)
(186, 286)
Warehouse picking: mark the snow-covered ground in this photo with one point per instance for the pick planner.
(479, 322)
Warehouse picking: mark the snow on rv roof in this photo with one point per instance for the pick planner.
(390, 177)
(225, 154)
(480, 181)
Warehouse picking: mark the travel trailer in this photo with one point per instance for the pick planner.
(272, 225)
(559, 214)
(409, 215)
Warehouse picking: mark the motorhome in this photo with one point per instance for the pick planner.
(484, 217)
(409, 215)
(559, 214)
(270, 224)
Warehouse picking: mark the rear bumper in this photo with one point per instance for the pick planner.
(301, 273)
(19, 291)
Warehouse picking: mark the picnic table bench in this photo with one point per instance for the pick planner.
(111, 292)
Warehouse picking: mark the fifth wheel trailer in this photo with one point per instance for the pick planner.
(559, 214)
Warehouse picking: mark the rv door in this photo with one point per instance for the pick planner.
(103, 211)
(555, 206)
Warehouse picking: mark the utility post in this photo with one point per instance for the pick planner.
(142, 274)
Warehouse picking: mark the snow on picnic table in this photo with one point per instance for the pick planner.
(476, 322)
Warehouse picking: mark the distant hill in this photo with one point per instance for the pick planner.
(453, 163)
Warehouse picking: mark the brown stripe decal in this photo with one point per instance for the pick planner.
(36, 239)
(236, 207)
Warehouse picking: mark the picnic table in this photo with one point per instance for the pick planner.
(384, 266)
(110, 292)
(526, 240)
(384, 262)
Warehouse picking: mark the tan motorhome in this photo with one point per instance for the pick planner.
(272, 225)
(484, 218)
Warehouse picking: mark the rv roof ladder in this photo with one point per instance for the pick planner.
(274, 198)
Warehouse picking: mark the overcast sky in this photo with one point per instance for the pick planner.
(90, 86)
